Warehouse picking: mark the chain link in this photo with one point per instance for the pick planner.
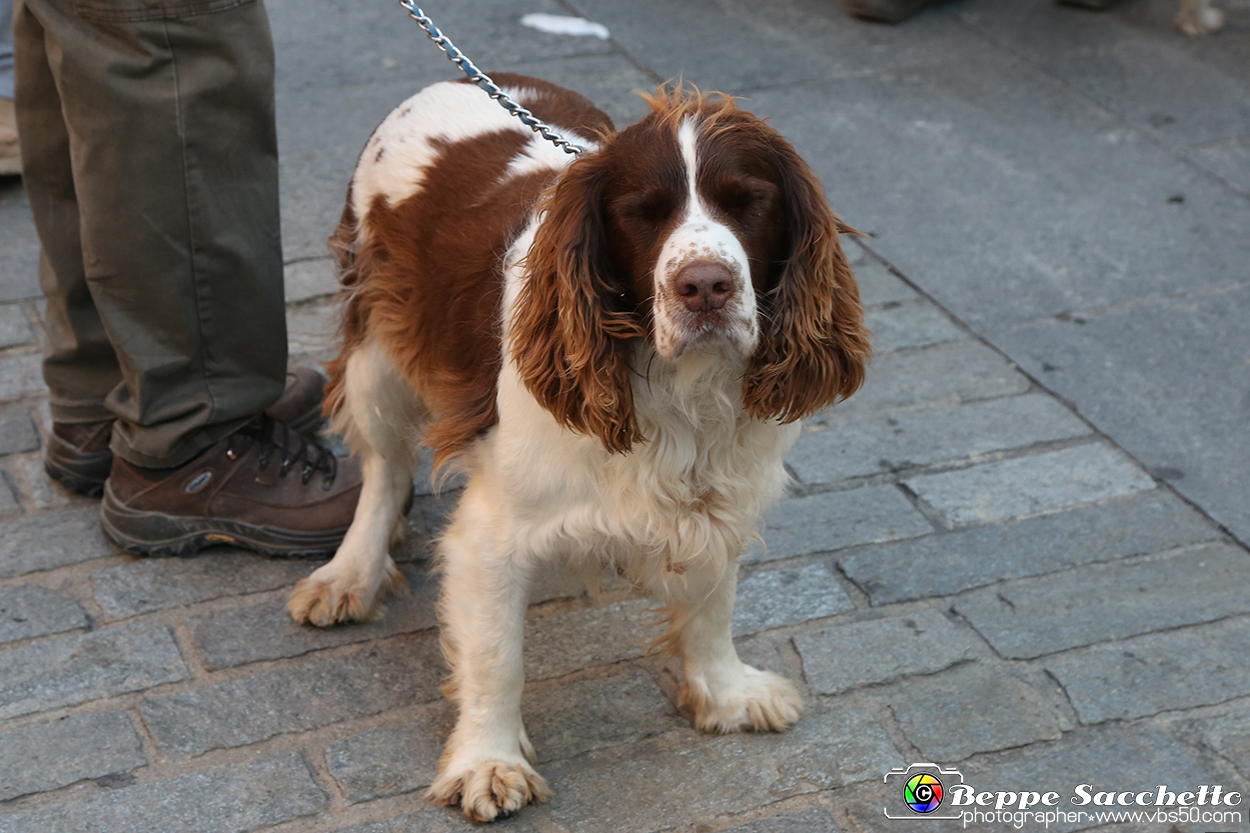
(483, 80)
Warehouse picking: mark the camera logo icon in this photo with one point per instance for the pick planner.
(923, 793)
(922, 788)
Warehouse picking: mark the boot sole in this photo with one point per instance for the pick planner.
(157, 534)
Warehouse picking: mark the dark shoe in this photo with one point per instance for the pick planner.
(885, 11)
(78, 455)
(1092, 5)
(264, 488)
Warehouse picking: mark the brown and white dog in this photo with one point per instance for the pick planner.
(616, 348)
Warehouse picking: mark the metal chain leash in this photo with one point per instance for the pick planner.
(483, 80)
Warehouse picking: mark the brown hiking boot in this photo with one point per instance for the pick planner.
(264, 488)
(78, 455)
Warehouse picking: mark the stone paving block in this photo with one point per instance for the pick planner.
(1030, 617)
(43, 491)
(942, 565)
(943, 375)
(19, 245)
(1135, 68)
(910, 325)
(833, 520)
(1228, 733)
(1178, 669)
(578, 717)
(979, 707)
(1170, 408)
(820, 40)
(555, 582)
(816, 820)
(993, 129)
(856, 255)
(318, 692)
(765, 653)
(17, 430)
(562, 722)
(41, 413)
(1230, 160)
(445, 495)
(1030, 485)
(878, 285)
(236, 798)
(724, 775)
(1113, 757)
(889, 443)
(51, 539)
(21, 376)
(372, 44)
(307, 279)
(14, 326)
(776, 598)
(29, 610)
(391, 760)
(75, 669)
(558, 645)
(312, 328)
(8, 497)
(142, 586)
(843, 657)
(47, 756)
(448, 820)
(231, 637)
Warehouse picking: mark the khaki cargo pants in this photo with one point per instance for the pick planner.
(150, 159)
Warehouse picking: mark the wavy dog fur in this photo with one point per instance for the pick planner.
(616, 349)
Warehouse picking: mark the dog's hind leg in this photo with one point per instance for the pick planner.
(380, 416)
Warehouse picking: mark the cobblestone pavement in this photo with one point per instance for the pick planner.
(967, 571)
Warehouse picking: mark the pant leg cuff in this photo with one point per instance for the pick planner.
(80, 413)
(130, 445)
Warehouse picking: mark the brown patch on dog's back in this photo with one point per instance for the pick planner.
(427, 282)
(555, 105)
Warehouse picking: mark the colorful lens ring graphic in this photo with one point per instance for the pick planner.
(923, 793)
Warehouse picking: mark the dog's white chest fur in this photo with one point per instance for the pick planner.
(694, 489)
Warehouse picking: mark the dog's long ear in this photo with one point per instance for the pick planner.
(813, 345)
(570, 334)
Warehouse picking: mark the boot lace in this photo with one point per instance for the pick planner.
(290, 447)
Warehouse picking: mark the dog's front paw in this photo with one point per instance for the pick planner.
(329, 596)
(754, 701)
(486, 790)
